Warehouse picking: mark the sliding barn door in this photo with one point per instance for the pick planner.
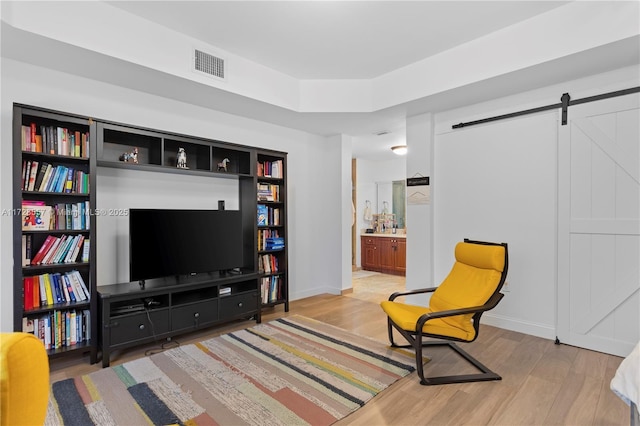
(599, 226)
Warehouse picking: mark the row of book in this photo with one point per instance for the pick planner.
(273, 169)
(269, 239)
(271, 289)
(41, 176)
(71, 216)
(267, 264)
(54, 289)
(36, 215)
(56, 250)
(268, 215)
(55, 140)
(268, 192)
(59, 329)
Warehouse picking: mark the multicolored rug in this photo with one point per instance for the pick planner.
(290, 371)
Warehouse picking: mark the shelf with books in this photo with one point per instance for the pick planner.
(53, 197)
(271, 228)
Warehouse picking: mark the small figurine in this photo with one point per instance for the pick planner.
(182, 159)
(130, 157)
(223, 164)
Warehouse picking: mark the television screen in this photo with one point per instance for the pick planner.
(165, 243)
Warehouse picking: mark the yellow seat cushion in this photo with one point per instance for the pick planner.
(406, 316)
(472, 280)
(24, 375)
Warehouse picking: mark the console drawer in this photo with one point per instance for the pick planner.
(237, 305)
(129, 328)
(194, 315)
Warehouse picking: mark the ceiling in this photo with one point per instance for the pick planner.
(332, 41)
(336, 39)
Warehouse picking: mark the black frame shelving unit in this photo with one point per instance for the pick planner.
(156, 152)
(23, 116)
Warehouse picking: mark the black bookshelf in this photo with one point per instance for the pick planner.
(109, 144)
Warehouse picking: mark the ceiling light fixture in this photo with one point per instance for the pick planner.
(399, 149)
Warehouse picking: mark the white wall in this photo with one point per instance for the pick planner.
(307, 162)
(498, 181)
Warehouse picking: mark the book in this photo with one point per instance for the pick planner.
(32, 175)
(32, 134)
(51, 251)
(43, 249)
(46, 178)
(48, 289)
(27, 292)
(85, 250)
(27, 175)
(43, 293)
(24, 172)
(36, 217)
(262, 215)
(82, 284)
(68, 184)
(67, 282)
(77, 289)
(40, 177)
(76, 250)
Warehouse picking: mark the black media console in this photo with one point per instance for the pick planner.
(132, 314)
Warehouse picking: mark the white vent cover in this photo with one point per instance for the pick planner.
(208, 64)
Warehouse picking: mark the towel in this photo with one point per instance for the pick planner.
(626, 381)
(367, 213)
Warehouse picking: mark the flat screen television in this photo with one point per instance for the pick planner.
(164, 243)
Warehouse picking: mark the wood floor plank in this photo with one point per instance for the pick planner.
(542, 383)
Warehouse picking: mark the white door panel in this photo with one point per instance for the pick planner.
(599, 226)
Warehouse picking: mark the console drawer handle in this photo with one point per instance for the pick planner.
(141, 326)
(196, 315)
(240, 305)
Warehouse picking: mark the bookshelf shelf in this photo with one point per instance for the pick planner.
(53, 163)
(271, 197)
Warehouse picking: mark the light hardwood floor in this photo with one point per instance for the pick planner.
(542, 383)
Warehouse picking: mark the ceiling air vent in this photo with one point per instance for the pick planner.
(208, 64)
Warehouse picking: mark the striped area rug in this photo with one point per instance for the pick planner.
(290, 371)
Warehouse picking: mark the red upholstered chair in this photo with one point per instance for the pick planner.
(456, 305)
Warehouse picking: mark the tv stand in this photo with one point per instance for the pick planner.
(156, 310)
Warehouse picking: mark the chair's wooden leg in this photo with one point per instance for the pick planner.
(390, 331)
(417, 345)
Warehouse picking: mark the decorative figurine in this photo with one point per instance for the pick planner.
(130, 157)
(182, 159)
(223, 164)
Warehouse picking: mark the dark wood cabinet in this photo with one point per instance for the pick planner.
(370, 254)
(131, 315)
(386, 254)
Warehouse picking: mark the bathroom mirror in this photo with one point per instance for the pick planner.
(391, 198)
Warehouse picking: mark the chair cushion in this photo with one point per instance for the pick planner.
(406, 316)
(480, 255)
(474, 277)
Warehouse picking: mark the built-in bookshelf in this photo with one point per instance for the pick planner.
(54, 194)
(56, 157)
(271, 223)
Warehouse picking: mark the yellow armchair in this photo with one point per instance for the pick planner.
(24, 375)
(471, 288)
